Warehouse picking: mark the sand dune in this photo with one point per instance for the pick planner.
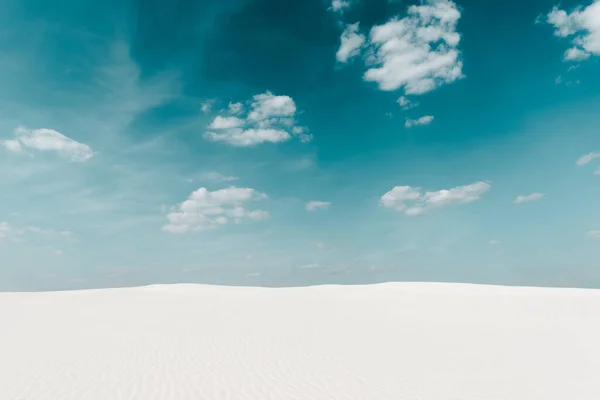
(399, 341)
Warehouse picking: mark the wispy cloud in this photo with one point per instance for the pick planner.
(412, 201)
(317, 205)
(587, 158)
(48, 140)
(528, 198)
(595, 234)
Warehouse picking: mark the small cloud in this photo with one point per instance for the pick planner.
(7, 232)
(351, 42)
(529, 198)
(235, 108)
(339, 5)
(595, 234)
(587, 158)
(576, 54)
(207, 106)
(48, 140)
(217, 177)
(411, 201)
(424, 120)
(317, 205)
(310, 266)
(494, 241)
(558, 80)
(405, 103)
(57, 253)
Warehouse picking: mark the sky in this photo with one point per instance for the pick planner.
(299, 142)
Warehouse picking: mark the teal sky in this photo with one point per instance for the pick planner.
(295, 142)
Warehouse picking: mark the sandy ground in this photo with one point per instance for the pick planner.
(392, 341)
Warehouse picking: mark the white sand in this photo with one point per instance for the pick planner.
(393, 341)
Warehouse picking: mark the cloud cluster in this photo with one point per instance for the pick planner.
(204, 209)
(270, 118)
(48, 140)
(529, 198)
(583, 24)
(317, 205)
(424, 120)
(417, 53)
(411, 201)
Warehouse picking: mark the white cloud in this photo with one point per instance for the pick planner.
(405, 103)
(494, 241)
(424, 120)
(583, 24)
(249, 137)
(597, 171)
(418, 52)
(48, 140)
(7, 232)
(528, 198)
(587, 158)
(270, 118)
(267, 105)
(339, 5)
(575, 54)
(235, 108)
(351, 42)
(411, 201)
(226, 122)
(207, 105)
(217, 177)
(51, 232)
(594, 234)
(204, 209)
(12, 145)
(317, 205)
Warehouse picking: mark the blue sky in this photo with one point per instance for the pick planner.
(269, 142)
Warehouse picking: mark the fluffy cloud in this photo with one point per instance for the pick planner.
(411, 201)
(204, 209)
(270, 119)
(418, 52)
(317, 205)
(528, 198)
(583, 24)
(48, 140)
(424, 120)
(587, 158)
(351, 42)
(594, 234)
